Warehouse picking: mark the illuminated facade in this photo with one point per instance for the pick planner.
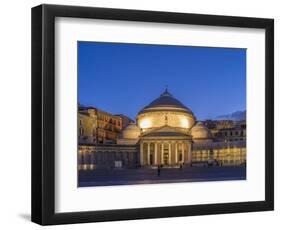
(166, 137)
(166, 134)
(97, 127)
(226, 130)
(220, 153)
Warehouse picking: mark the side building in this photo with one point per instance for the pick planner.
(125, 120)
(97, 127)
(227, 130)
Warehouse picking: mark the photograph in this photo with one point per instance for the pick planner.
(140, 114)
(156, 113)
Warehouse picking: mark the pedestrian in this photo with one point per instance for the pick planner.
(158, 170)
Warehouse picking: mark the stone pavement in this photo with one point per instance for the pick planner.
(105, 177)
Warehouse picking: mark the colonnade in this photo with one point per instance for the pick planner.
(165, 152)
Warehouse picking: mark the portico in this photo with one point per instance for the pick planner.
(165, 148)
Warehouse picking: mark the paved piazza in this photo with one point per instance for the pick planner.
(167, 175)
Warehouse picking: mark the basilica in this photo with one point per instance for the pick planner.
(167, 134)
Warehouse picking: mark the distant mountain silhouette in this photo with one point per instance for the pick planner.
(235, 116)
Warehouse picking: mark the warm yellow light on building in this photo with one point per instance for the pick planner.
(145, 123)
(184, 122)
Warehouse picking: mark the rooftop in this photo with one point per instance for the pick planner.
(166, 101)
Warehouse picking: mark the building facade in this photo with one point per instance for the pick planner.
(125, 120)
(220, 153)
(225, 131)
(87, 126)
(167, 134)
(107, 156)
(97, 127)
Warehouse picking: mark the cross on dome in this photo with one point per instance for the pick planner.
(166, 92)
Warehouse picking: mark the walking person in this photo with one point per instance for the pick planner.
(181, 166)
(158, 170)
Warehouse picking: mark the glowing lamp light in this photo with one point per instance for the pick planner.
(184, 122)
(145, 123)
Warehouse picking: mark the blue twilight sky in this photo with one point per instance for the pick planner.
(123, 78)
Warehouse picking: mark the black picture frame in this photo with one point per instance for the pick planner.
(43, 114)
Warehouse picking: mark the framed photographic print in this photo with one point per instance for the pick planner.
(142, 114)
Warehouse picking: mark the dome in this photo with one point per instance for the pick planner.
(200, 131)
(131, 131)
(165, 110)
(166, 102)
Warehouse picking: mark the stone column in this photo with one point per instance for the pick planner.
(182, 152)
(155, 153)
(148, 153)
(170, 154)
(92, 161)
(141, 153)
(162, 152)
(176, 152)
(189, 153)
